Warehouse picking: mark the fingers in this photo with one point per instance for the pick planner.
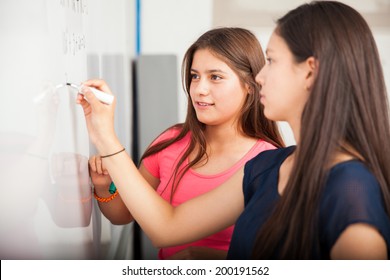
(98, 163)
(99, 84)
(84, 104)
(91, 98)
(99, 116)
(97, 166)
(92, 164)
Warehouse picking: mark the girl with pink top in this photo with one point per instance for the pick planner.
(224, 128)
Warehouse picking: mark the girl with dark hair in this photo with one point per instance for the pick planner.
(224, 128)
(326, 198)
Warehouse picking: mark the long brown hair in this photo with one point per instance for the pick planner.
(241, 50)
(347, 107)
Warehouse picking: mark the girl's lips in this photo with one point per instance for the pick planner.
(203, 104)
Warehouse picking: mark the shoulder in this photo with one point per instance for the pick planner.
(165, 136)
(169, 133)
(267, 159)
(169, 154)
(352, 195)
(353, 190)
(351, 179)
(262, 145)
(261, 172)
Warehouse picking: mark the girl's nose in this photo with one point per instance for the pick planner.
(202, 87)
(260, 77)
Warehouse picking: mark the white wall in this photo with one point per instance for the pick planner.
(170, 27)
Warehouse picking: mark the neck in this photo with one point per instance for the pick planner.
(296, 129)
(222, 134)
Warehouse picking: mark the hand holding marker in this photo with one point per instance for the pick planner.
(102, 96)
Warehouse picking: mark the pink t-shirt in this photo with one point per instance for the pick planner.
(162, 164)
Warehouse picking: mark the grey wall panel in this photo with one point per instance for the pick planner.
(156, 95)
(114, 73)
(157, 109)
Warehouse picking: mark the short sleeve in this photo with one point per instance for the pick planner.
(260, 171)
(352, 195)
(152, 163)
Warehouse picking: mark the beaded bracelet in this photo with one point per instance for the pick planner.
(105, 199)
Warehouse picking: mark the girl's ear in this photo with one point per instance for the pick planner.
(247, 88)
(312, 68)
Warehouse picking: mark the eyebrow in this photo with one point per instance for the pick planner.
(210, 71)
(268, 50)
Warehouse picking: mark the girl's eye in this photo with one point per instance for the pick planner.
(269, 60)
(194, 76)
(216, 77)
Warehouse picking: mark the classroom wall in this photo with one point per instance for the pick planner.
(170, 27)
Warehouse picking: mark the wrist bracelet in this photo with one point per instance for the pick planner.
(104, 199)
(113, 154)
(112, 188)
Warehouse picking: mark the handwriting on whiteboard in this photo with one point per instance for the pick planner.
(78, 6)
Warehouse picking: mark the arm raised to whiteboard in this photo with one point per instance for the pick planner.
(164, 224)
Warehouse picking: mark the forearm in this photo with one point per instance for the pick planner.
(146, 206)
(166, 225)
(115, 210)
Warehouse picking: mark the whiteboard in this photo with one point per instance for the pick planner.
(46, 206)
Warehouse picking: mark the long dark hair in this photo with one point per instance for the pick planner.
(241, 50)
(347, 107)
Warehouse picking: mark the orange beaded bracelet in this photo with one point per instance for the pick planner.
(104, 199)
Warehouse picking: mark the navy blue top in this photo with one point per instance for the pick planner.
(351, 195)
